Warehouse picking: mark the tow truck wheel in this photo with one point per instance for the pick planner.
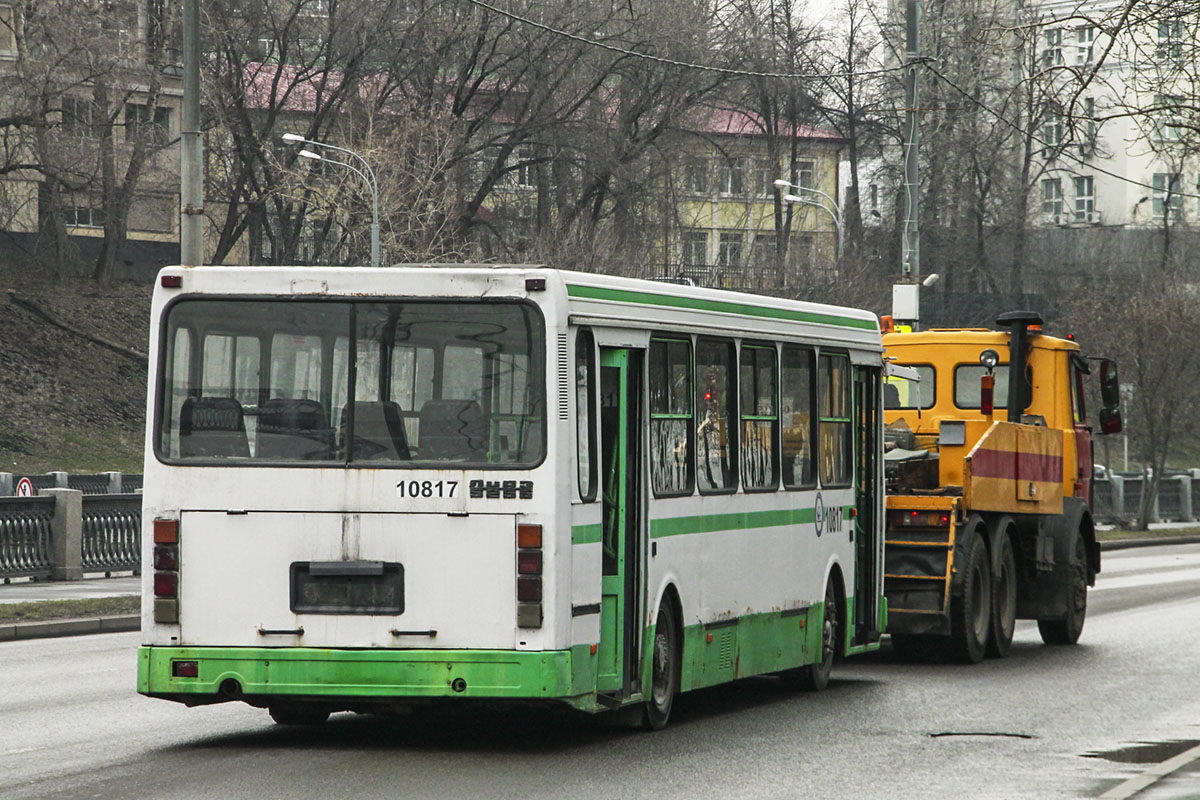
(1004, 595)
(1068, 629)
(971, 605)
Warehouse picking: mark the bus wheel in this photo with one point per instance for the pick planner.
(664, 669)
(1068, 629)
(971, 606)
(1004, 596)
(298, 713)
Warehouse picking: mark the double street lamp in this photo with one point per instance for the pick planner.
(833, 209)
(366, 173)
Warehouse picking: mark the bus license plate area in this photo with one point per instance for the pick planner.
(347, 587)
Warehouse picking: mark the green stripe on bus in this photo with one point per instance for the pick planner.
(743, 520)
(585, 534)
(724, 306)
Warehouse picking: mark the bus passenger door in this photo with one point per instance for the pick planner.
(620, 439)
(868, 491)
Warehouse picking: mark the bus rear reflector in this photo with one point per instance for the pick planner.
(529, 535)
(166, 584)
(166, 531)
(185, 669)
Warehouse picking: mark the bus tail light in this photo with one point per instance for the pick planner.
(166, 571)
(166, 584)
(529, 575)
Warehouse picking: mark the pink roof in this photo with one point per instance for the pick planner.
(725, 121)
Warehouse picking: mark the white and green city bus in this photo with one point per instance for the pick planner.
(366, 488)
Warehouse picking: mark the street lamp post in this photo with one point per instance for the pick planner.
(366, 173)
(835, 211)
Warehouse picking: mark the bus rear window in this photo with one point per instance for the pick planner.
(430, 383)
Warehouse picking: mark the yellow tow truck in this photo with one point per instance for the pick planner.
(989, 486)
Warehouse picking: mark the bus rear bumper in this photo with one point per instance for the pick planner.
(257, 675)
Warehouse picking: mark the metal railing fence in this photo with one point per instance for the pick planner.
(112, 531)
(25, 536)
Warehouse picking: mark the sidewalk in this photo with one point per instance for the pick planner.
(25, 591)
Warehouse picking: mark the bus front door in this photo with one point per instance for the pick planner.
(620, 444)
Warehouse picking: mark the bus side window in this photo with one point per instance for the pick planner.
(760, 420)
(796, 412)
(671, 417)
(716, 435)
(836, 464)
(585, 424)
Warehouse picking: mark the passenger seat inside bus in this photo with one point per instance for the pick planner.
(212, 427)
(378, 431)
(293, 429)
(452, 430)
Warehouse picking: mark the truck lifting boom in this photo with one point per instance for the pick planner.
(989, 472)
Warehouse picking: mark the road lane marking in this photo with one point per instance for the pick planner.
(1152, 579)
(1151, 776)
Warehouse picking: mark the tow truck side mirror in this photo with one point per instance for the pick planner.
(1110, 396)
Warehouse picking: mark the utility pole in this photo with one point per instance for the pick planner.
(191, 153)
(906, 293)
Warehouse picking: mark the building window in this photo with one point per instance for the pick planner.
(806, 174)
(526, 168)
(733, 177)
(1052, 196)
(1167, 117)
(1085, 39)
(8, 33)
(730, 252)
(1052, 129)
(1167, 188)
(139, 123)
(1052, 55)
(1170, 40)
(83, 217)
(693, 248)
(1085, 198)
(695, 175)
(77, 117)
(1089, 120)
(764, 251)
(764, 178)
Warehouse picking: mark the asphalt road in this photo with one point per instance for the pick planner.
(72, 726)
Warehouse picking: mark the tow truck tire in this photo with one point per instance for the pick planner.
(971, 605)
(1068, 629)
(1004, 594)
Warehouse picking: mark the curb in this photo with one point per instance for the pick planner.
(1125, 544)
(69, 627)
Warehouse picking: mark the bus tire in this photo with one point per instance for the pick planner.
(1004, 593)
(298, 713)
(815, 677)
(664, 669)
(1068, 629)
(971, 605)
